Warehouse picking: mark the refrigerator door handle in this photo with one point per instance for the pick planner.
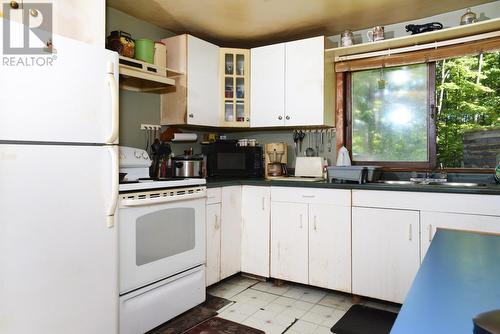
(113, 150)
(113, 86)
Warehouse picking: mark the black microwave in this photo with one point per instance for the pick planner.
(227, 159)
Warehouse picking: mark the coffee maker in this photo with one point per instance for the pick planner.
(275, 158)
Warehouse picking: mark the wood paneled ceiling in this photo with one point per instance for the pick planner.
(247, 23)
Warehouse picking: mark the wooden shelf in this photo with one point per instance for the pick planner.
(139, 76)
(411, 40)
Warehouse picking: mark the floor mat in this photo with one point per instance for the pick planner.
(222, 326)
(361, 319)
(192, 317)
(215, 303)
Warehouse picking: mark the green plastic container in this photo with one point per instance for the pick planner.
(145, 50)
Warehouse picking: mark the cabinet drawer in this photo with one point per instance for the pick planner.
(214, 195)
(339, 197)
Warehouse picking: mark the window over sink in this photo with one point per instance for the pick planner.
(441, 113)
(390, 114)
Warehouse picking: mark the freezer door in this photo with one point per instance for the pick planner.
(69, 96)
(58, 257)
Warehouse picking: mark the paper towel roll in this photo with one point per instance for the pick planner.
(185, 137)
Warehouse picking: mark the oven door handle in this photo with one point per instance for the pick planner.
(161, 200)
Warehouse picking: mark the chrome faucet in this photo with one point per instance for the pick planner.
(436, 176)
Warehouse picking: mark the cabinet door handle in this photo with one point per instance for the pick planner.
(216, 222)
(315, 224)
(430, 232)
(263, 204)
(308, 196)
(410, 230)
(300, 221)
(287, 118)
(280, 117)
(191, 115)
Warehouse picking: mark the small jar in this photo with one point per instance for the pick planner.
(347, 38)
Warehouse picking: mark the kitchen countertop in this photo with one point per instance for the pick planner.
(458, 280)
(492, 189)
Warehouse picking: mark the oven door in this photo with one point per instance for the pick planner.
(159, 238)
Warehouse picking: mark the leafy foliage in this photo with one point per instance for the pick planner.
(468, 98)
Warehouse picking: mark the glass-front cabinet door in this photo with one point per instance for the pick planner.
(235, 72)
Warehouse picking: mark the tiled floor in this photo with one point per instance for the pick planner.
(289, 308)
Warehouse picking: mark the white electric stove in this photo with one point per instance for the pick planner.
(161, 244)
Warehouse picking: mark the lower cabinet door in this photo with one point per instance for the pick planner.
(230, 243)
(431, 221)
(213, 243)
(385, 252)
(330, 246)
(289, 242)
(256, 215)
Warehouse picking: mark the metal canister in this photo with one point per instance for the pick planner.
(347, 38)
(468, 18)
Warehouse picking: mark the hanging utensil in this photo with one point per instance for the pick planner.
(302, 134)
(329, 134)
(316, 141)
(309, 149)
(295, 141)
(322, 134)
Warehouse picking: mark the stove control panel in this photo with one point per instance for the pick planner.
(133, 157)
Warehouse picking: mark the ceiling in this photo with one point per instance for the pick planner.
(247, 23)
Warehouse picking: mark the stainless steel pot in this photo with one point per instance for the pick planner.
(188, 166)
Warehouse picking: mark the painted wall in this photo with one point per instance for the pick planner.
(272, 136)
(135, 108)
(451, 19)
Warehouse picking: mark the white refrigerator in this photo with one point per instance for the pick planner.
(58, 192)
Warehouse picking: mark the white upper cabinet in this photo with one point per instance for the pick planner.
(304, 82)
(203, 104)
(195, 99)
(267, 97)
(288, 85)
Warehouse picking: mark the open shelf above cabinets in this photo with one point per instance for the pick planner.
(138, 76)
(402, 43)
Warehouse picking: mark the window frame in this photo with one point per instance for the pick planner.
(371, 61)
(431, 125)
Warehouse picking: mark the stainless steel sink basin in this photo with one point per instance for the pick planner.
(458, 184)
(444, 184)
(397, 182)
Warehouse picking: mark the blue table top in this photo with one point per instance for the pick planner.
(459, 278)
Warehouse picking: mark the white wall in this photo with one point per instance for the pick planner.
(451, 19)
